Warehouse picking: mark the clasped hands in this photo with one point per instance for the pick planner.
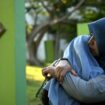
(59, 71)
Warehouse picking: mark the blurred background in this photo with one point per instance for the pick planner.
(34, 33)
(50, 26)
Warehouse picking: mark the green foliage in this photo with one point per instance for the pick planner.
(91, 10)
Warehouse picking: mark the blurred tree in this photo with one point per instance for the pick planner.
(55, 16)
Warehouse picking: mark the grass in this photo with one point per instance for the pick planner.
(34, 81)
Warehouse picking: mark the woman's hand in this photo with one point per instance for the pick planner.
(62, 69)
(48, 72)
(59, 71)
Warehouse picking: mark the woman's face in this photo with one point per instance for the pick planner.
(93, 46)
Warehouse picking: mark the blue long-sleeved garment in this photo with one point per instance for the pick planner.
(85, 65)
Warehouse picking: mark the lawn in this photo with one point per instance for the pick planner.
(34, 81)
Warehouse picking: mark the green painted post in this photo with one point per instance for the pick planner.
(49, 49)
(20, 52)
(12, 54)
(82, 29)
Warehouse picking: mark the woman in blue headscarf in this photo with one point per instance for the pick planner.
(87, 58)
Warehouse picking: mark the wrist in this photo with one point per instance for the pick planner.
(56, 62)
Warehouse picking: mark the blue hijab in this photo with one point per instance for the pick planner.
(97, 28)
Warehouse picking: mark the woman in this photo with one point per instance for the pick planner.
(86, 55)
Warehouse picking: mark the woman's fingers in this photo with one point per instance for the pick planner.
(44, 71)
(61, 78)
(48, 72)
(73, 72)
(60, 73)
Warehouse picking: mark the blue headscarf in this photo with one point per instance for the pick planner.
(97, 28)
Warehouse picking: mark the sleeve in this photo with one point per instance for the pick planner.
(91, 91)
